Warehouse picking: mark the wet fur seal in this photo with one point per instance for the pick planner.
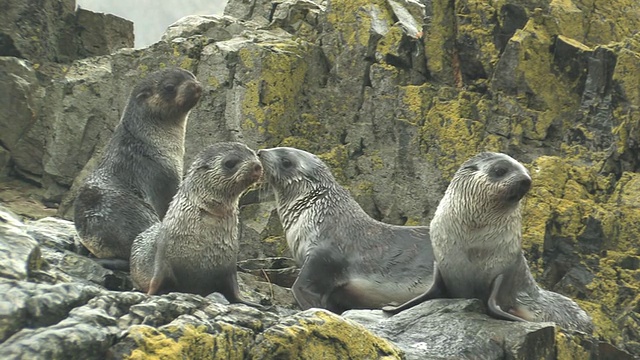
(141, 168)
(476, 234)
(195, 247)
(348, 260)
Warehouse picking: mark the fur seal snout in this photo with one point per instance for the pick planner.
(195, 247)
(141, 167)
(348, 260)
(476, 236)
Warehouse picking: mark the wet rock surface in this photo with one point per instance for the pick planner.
(392, 94)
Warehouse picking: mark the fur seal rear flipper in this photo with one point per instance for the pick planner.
(437, 290)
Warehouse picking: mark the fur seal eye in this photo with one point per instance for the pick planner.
(231, 163)
(499, 172)
(286, 163)
(169, 87)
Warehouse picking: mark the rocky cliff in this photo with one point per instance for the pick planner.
(393, 95)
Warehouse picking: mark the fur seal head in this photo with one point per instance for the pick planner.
(294, 172)
(168, 93)
(222, 172)
(488, 185)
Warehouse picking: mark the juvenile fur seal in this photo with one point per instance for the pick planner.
(348, 260)
(477, 242)
(141, 167)
(195, 247)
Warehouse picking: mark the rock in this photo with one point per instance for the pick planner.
(53, 31)
(19, 252)
(102, 34)
(318, 333)
(454, 328)
(20, 96)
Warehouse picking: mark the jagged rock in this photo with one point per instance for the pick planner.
(258, 11)
(20, 96)
(102, 34)
(19, 252)
(454, 328)
(52, 31)
(211, 27)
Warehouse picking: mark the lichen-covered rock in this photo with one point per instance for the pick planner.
(453, 329)
(316, 333)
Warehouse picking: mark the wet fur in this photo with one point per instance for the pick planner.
(141, 167)
(348, 260)
(477, 239)
(194, 249)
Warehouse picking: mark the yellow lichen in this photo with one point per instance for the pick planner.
(189, 342)
(322, 335)
(568, 348)
(353, 18)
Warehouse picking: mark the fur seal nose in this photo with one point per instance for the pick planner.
(522, 187)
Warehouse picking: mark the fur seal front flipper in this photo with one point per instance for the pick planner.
(492, 304)
(437, 290)
(321, 279)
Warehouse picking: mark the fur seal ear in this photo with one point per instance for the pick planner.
(143, 94)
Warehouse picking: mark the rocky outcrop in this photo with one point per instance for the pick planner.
(54, 31)
(393, 95)
(58, 304)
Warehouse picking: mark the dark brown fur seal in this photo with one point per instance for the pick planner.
(141, 167)
(477, 239)
(348, 260)
(195, 247)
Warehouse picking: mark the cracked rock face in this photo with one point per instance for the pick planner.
(392, 94)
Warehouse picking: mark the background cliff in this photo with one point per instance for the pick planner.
(393, 95)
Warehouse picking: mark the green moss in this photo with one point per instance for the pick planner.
(189, 342)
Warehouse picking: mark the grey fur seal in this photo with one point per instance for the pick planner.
(195, 247)
(348, 260)
(476, 234)
(141, 168)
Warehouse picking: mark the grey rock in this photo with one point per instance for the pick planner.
(442, 329)
(102, 34)
(19, 252)
(211, 27)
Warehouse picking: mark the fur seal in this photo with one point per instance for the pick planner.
(141, 168)
(195, 247)
(476, 234)
(348, 260)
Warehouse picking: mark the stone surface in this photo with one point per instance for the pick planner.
(53, 31)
